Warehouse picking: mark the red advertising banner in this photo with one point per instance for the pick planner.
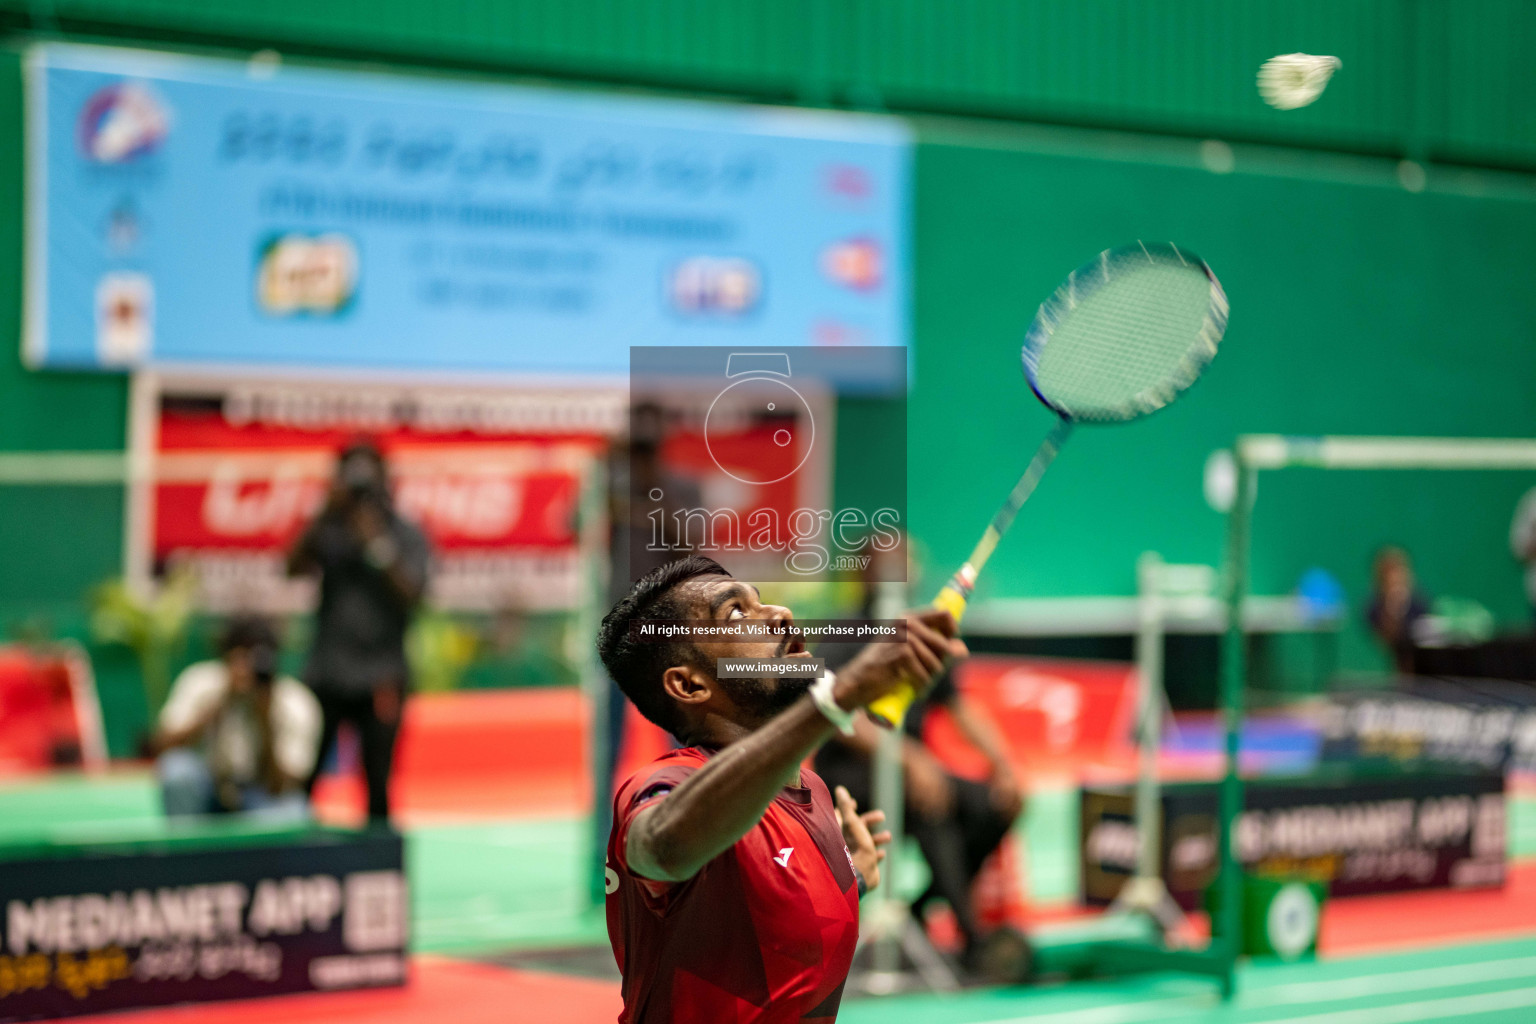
(1058, 715)
(495, 480)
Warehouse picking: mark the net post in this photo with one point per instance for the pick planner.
(1227, 927)
(592, 525)
(885, 951)
(1149, 681)
(888, 794)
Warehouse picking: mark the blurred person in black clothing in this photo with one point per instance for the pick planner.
(957, 822)
(1396, 604)
(373, 571)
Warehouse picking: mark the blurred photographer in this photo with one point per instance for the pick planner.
(236, 737)
(372, 566)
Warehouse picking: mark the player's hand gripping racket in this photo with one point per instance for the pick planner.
(1120, 338)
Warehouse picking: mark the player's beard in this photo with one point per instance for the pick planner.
(763, 697)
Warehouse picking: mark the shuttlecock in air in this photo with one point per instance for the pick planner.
(1293, 80)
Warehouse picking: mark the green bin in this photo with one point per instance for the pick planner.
(1280, 915)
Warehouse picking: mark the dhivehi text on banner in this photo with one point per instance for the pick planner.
(197, 212)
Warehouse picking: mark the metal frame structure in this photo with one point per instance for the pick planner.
(895, 954)
(1253, 453)
(1146, 891)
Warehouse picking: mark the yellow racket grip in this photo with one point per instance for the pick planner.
(891, 710)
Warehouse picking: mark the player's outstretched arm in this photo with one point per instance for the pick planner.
(711, 809)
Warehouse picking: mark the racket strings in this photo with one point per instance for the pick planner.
(1130, 341)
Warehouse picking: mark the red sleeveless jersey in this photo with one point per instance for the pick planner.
(763, 934)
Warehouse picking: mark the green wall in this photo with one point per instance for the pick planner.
(1425, 78)
(54, 541)
(1357, 308)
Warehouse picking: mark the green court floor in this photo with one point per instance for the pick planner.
(486, 886)
(520, 884)
(502, 885)
(1483, 983)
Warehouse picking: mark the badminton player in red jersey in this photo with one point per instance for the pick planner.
(733, 878)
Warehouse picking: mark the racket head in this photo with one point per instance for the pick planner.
(1125, 334)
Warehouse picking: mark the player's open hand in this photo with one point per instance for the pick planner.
(864, 844)
(882, 667)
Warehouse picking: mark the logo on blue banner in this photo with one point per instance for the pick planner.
(183, 211)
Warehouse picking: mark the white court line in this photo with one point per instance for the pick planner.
(1433, 1009)
(1357, 987)
(1123, 1013)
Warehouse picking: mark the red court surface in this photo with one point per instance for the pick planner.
(524, 752)
(484, 753)
(495, 753)
(1377, 924)
(441, 992)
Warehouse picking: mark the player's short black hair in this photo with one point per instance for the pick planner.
(637, 666)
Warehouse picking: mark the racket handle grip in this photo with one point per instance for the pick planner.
(891, 710)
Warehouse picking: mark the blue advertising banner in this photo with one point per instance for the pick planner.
(187, 211)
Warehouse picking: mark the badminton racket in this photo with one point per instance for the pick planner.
(1123, 336)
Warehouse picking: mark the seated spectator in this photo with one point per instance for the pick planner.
(234, 737)
(957, 822)
(1522, 541)
(1396, 604)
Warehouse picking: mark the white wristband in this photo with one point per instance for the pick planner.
(821, 694)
